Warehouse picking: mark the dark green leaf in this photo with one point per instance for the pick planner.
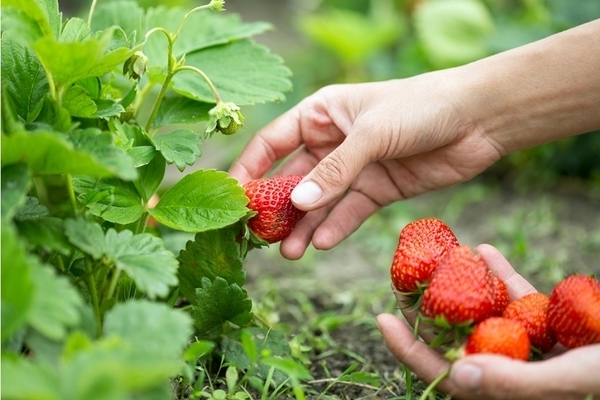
(144, 258)
(243, 72)
(179, 147)
(78, 102)
(15, 185)
(17, 285)
(152, 329)
(201, 201)
(150, 176)
(121, 202)
(142, 155)
(181, 110)
(32, 209)
(212, 254)
(46, 233)
(87, 236)
(24, 79)
(218, 302)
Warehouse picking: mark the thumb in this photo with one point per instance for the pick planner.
(332, 176)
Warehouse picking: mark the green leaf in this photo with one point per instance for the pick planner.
(15, 185)
(87, 236)
(151, 176)
(78, 102)
(126, 14)
(108, 108)
(201, 201)
(17, 285)
(46, 233)
(75, 30)
(288, 366)
(113, 199)
(243, 72)
(152, 329)
(32, 209)
(198, 349)
(43, 12)
(212, 254)
(100, 145)
(24, 79)
(142, 155)
(25, 380)
(19, 27)
(48, 153)
(218, 302)
(55, 304)
(179, 147)
(181, 110)
(144, 258)
(453, 32)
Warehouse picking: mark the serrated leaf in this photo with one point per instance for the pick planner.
(32, 209)
(212, 254)
(179, 147)
(150, 176)
(46, 233)
(55, 304)
(144, 258)
(218, 302)
(78, 102)
(181, 110)
(243, 72)
(152, 329)
(453, 32)
(24, 79)
(15, 185)
(17, 285)
(201, 201)
(121, 202)
(48, 153)
(108, 108)
(88, 236)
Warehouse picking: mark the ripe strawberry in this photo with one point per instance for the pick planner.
(501, 299)
(532, 312)
(271, 199)
(499, 335)
(421, 245)
(574, 311)
(460, 290)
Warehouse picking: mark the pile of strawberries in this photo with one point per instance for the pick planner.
(468, 306)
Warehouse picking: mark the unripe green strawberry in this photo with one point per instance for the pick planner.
(532, 312)
(574, 311)
(460, 289)
(421, 245)
(501, 298)
(271, 199)
(497, 335)
(230, 129)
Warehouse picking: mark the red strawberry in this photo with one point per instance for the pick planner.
(501, 299)
(499, 335)
(421, 245)
(271, 199)
(574, 311)
(532, 312)
(461, 288)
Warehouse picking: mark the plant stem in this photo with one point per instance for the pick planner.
(141, 227)
(113, 283)
(91, 14)
(71, 191)
(212, 87)
(161, 95)
(41, 190)
(91, 284)
(187, 16)
(433, 384)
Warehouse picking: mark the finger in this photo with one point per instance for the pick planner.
(517, 285)
(294, 246)
(569, 376)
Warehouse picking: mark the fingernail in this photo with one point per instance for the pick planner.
(307, 193)
(467, 376)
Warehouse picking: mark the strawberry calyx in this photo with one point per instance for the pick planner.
(446, 333)
(411, 300)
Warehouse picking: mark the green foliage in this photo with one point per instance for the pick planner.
(92, 115)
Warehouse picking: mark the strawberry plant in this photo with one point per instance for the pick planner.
(94, 302)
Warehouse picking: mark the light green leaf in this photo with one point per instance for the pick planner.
(25, 380)
(126, 14)
(117, 202)
(243, 72)
(46, 233)
(50, 8)
(453, 32)
(152, 329)
(19, 27)
(75, 30)
(32, 209)
(55, 304)
(201, 201)
(78, 102)
(288, 366)
(15, 185)
(144, 258)
(212, 254)
(218, 302)
(24, 79)
(108, 108)
(48, 153)
(87, 236)
(17, 285)
(181, 110)
(142, 155)
(151, 176)
(179, 146)
(43, 12)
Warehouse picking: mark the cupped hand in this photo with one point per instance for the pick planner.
(563, 375)
(363, 146)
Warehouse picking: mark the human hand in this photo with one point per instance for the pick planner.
(563, 375)
(363, 146)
